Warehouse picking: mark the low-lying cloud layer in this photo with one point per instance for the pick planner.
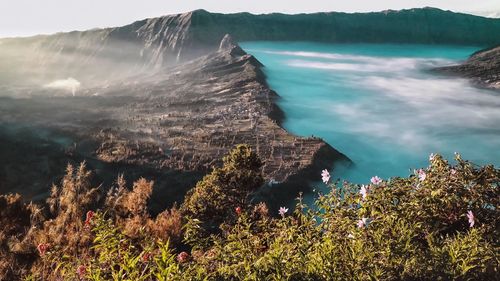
(385, 111)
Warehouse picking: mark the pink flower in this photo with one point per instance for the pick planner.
(376, 180)
(81, 270)
(238, 210)
(183, 257)
(363, 191)
(282, 211)
(364, 222)
(453, 172)
(421, 175)
(325, 176)
(42, 248)
(470, 216)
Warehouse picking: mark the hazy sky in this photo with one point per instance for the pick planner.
(28, 17)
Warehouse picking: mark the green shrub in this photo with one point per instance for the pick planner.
(414, 228)
(442, 223)
(216, 196)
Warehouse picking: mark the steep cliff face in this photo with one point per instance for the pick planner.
(100, 54)
(113, 53)
(483, 68)
(425, 26)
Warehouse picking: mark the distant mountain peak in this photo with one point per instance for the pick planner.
(199, 11)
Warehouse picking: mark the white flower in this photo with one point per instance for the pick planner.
(431, 157)
(325, 176)
(364, 222)
(421, 175)
(363, 191)
(282, 211)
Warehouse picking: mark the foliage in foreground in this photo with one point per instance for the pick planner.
(441, 223)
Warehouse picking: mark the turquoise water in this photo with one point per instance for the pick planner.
(378, 104)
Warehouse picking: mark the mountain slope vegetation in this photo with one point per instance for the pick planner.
(440, 223)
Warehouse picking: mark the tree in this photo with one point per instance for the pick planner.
(215, 198)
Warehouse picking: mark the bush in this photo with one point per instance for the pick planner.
(17, 221)
(439, 224)
(217, 195)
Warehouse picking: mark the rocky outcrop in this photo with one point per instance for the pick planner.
(483, 68)
(177, 121)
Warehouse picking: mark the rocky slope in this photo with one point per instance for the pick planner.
(483, 68)
(100, 54)
(184, 119)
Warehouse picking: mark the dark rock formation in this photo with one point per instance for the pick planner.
(483, 68)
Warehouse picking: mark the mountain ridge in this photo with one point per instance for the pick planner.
(201, 11)
(159, 42)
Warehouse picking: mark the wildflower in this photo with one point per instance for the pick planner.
(325, 176)
(81, 270)
(88, 219)
(363, 191)
(470, 216)
(453, 172)
(421, 175)
(364, 222)
(146, 257)
(282, 211)
(350, 236)
(361, 223)
(432, 156)
(238, 210)
(42, 249)
(182, 257)
(376, 180)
